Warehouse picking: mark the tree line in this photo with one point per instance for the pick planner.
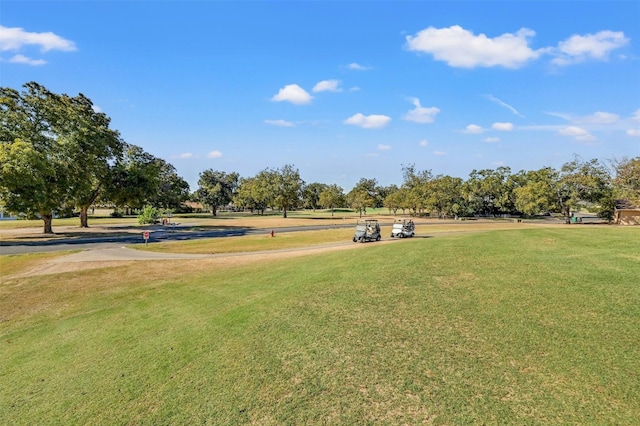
(59, 155)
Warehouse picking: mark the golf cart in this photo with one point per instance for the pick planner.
(403, 228)
(367, 230)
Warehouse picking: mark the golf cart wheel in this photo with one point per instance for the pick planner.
(401, 235)
(391, 235)
(378, 238)
(362, 239)
(354, 239)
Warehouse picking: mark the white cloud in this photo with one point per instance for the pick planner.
(439, 153)
(473, 129)
(503, 127)
(21, 59)
(185, 155)
(505, 105)
(281, 123)
(214, 154)
(16, 38)
(461, 48)
(382, 147)
(421, 114)
(357, 67)
(579, 48)
(424, 142)
(633, 132)
(327, 86)
(492, 140)
(368, 121)
(636, 115)
(294, 94)
(578, 133)
(354, 89)
(599, 118)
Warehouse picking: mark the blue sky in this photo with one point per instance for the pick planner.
(343, 90)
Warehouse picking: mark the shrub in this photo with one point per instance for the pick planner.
(148, 215)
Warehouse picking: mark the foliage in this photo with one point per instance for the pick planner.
(216, 189)
(627, 180)
(332, 196)
(281, 188)
(149, 215)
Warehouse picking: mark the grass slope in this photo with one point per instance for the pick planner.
(526, 326)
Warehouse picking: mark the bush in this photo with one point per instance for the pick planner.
(148, 215)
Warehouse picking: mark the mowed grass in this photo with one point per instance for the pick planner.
(250, 243)
(531, 326)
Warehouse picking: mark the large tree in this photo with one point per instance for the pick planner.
(582, 181)
(74, 140)
(311, 195)
(139, 179)
(216, 189)
(282, 186)
(331, 197)
(536, 191)
(627, 180)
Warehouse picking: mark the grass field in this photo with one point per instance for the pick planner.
(528, 326)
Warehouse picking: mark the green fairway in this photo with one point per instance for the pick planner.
(530, 326)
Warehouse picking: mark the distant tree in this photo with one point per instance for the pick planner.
(249, 195)
(489, 192)
(331, 197)
(582, 181)
(537, 191)
(627, 179)
(311, 195)
(216, 188)
(394, 200)
(363, 195)
(444, 195)
(416, 186)
(282, 187)
(136, 180)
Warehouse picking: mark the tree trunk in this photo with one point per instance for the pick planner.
(284, 214)
(48, 220)
(214, 211)
(84, 217)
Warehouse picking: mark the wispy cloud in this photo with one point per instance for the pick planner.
(382, 147)
(373, 121)
(578, 133)
(503, 127)
(327, 86)
(421, 114)
(281, 123)
(473, 129)
(185, 155)
(357, 67)
(214, 154)
(21, 59)
(16, 39)
(505, 105)
(580, 48)
(492, 140)
(294, 94)
(424, 142)
(633, 132)
(439, 153)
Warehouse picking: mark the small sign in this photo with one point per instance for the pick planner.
(145, 235)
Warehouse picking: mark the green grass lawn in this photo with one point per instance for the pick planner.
(535, 326)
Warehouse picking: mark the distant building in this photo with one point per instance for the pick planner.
(626, 213)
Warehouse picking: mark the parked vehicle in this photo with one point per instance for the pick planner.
(403, 228)
(367, 230)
